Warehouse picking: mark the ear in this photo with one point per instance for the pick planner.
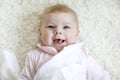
(39, 30)
(77, 33)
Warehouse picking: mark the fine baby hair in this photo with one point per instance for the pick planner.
(57, 9)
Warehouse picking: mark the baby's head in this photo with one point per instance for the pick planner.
(58, 27)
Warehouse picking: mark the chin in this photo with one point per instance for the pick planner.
(59, 49)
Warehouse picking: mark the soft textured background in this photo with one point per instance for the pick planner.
(99, 25)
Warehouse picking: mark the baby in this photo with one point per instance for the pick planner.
(58, 56)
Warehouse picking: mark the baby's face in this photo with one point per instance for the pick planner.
(59, 30)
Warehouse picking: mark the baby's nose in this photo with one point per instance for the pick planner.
(58, 31)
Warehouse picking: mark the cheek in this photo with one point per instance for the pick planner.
(71, 38)
(46, 38)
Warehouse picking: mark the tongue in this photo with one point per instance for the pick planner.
(58, 41)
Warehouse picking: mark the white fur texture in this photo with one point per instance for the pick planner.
(99, 28)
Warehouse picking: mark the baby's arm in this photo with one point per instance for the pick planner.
(95, 71)
(29, 71)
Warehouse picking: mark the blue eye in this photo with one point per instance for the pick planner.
(51, 27)
(66, 27)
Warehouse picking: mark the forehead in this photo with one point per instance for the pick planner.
(60, 15)
(60, 18)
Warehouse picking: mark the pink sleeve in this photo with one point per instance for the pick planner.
(29, 71)
(95, 71)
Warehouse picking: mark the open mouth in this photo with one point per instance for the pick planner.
(58, 41)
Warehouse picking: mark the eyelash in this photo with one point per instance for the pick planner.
(64, 27)
(51, 27)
